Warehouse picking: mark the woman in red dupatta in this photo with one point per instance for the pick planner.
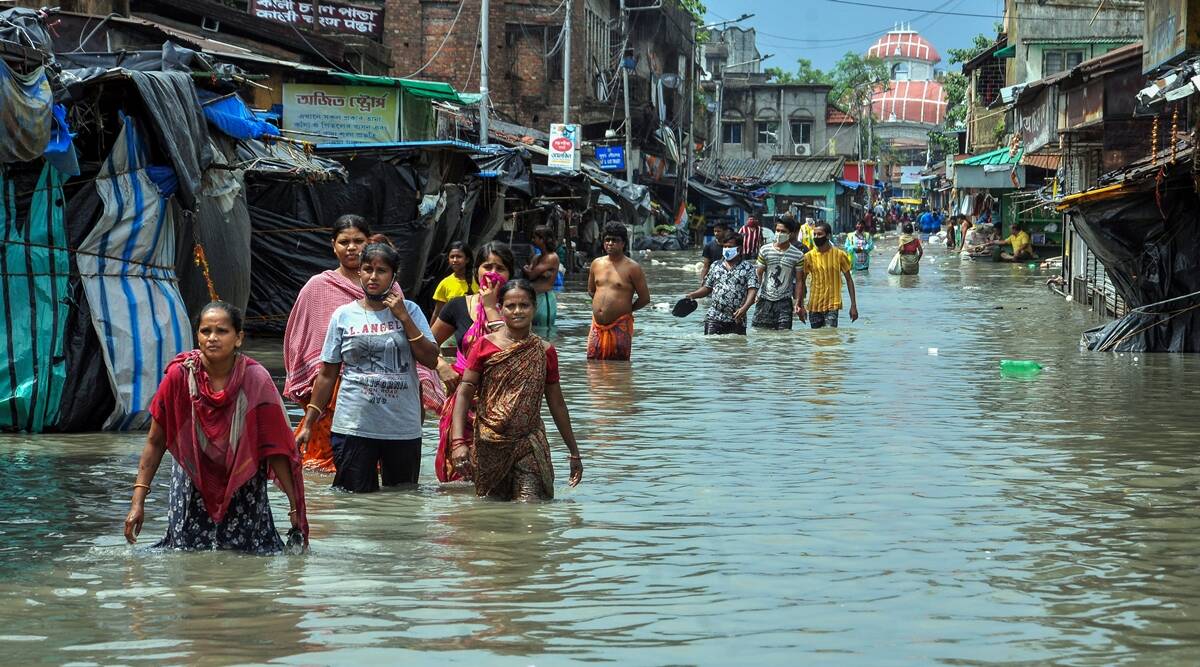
(306, 328)
(219, 414)
(512, 370)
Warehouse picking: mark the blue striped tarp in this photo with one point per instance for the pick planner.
(127, 264)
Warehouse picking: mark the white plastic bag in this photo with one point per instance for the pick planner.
(894, 266)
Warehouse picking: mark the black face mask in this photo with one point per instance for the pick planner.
(821, 240)
(374, 297)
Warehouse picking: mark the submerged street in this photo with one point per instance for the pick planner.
(876, 494)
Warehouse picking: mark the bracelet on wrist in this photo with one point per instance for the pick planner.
(416, 338)
(314, 406)
(139, 485)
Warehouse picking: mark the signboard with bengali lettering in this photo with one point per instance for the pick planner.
(611, 158)
(564, 146)
(335, 17)
(348, 114)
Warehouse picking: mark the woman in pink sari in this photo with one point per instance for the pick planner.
(308, 323)
(468, 318)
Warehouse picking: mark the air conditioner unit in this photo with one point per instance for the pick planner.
(802, 149)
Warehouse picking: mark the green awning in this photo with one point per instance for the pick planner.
(996, 157)
(1009, 51)
(430, 90)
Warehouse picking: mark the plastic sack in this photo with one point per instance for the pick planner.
(894, 267)
(25, 112)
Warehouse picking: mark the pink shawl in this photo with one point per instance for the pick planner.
(305, 335)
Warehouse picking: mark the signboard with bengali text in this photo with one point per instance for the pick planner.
(564, 146)
(335, 17)
(348, 114)
(611, 158)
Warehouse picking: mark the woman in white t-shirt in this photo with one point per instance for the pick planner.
(374, 343)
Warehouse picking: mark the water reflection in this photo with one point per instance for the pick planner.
(844, 493)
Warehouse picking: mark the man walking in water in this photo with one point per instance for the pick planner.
(712, 251)
(778, 267)
(827, 265)
(612, 283)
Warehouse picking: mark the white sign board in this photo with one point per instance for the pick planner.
(564, 146)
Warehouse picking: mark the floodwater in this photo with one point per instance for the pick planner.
(842, 497)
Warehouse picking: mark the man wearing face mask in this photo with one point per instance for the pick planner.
(827, 265)
(777, 268)
(733, 285)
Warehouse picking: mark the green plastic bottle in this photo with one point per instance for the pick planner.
(1019, 367)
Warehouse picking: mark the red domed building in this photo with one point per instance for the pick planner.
(913, 102)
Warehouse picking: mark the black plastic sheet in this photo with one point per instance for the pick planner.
(1149, 245)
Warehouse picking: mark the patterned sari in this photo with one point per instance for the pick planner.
(512, 457)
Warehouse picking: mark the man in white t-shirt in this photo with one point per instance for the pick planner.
(778, 265)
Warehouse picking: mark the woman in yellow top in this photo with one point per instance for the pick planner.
(455, 284)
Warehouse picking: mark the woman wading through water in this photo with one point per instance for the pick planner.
(217, 411)
(512, 370)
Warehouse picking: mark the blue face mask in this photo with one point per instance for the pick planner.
(730, 254)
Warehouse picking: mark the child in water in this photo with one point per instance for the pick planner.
(455, 284)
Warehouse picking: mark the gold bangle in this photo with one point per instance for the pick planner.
(575, 458)
(416, 338)
(139, 485)
(320, 412)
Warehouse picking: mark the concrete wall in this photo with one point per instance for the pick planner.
(1061, 20)
(749, 104)
(732, 45)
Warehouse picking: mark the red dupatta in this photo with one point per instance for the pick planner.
(222, 438)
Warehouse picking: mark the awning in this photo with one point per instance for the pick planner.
(712, 194)
(1000, 156)
(854, 185)
(430, 90)
(1009, 51)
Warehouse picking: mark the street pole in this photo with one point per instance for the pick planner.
(566, 73)
(625, 87)
(483, 73)
(718, 139)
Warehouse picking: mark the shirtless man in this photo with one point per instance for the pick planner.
(612, 282)
(542, 272)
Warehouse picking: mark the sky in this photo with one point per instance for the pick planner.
(823, 31)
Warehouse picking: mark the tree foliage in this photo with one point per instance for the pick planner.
(805, 73)
(954, 86)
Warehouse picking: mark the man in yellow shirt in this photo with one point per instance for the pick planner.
(827, 265)
(1022, 246)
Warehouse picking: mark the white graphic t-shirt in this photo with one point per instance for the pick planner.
(380, 396)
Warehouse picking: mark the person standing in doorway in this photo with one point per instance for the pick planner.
(733, 286)
(712, 251)
(613, 283)
(827, 265)
(777, 268)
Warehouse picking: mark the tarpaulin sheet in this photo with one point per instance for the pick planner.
(34, 271)
(230, 115)
(1151, 255)
(127, 264)
(25, 114)
(291, 222)
(87, 396)
(179, 126)
(25, 26)
(510, 167)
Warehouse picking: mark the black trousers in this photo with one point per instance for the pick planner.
(360, 461)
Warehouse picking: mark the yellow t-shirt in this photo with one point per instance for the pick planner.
(1018, 241)
(452, 286)
(826, 269)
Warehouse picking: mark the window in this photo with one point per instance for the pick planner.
(768, 132)
(801, 131)
(1060, 60)
(731, 132)
(599, 43)
(900, 72)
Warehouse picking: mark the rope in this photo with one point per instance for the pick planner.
(85, 253)
(201, 260)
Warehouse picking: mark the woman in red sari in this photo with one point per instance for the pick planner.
(308, 323)
(512, 370)
(217, 411)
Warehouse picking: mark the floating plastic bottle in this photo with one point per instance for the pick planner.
(1019, 367)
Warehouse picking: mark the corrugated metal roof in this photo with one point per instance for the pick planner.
(788, 170)
(996, 157)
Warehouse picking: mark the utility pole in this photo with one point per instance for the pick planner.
(484, 102)
(566, 73)
(625, 86)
